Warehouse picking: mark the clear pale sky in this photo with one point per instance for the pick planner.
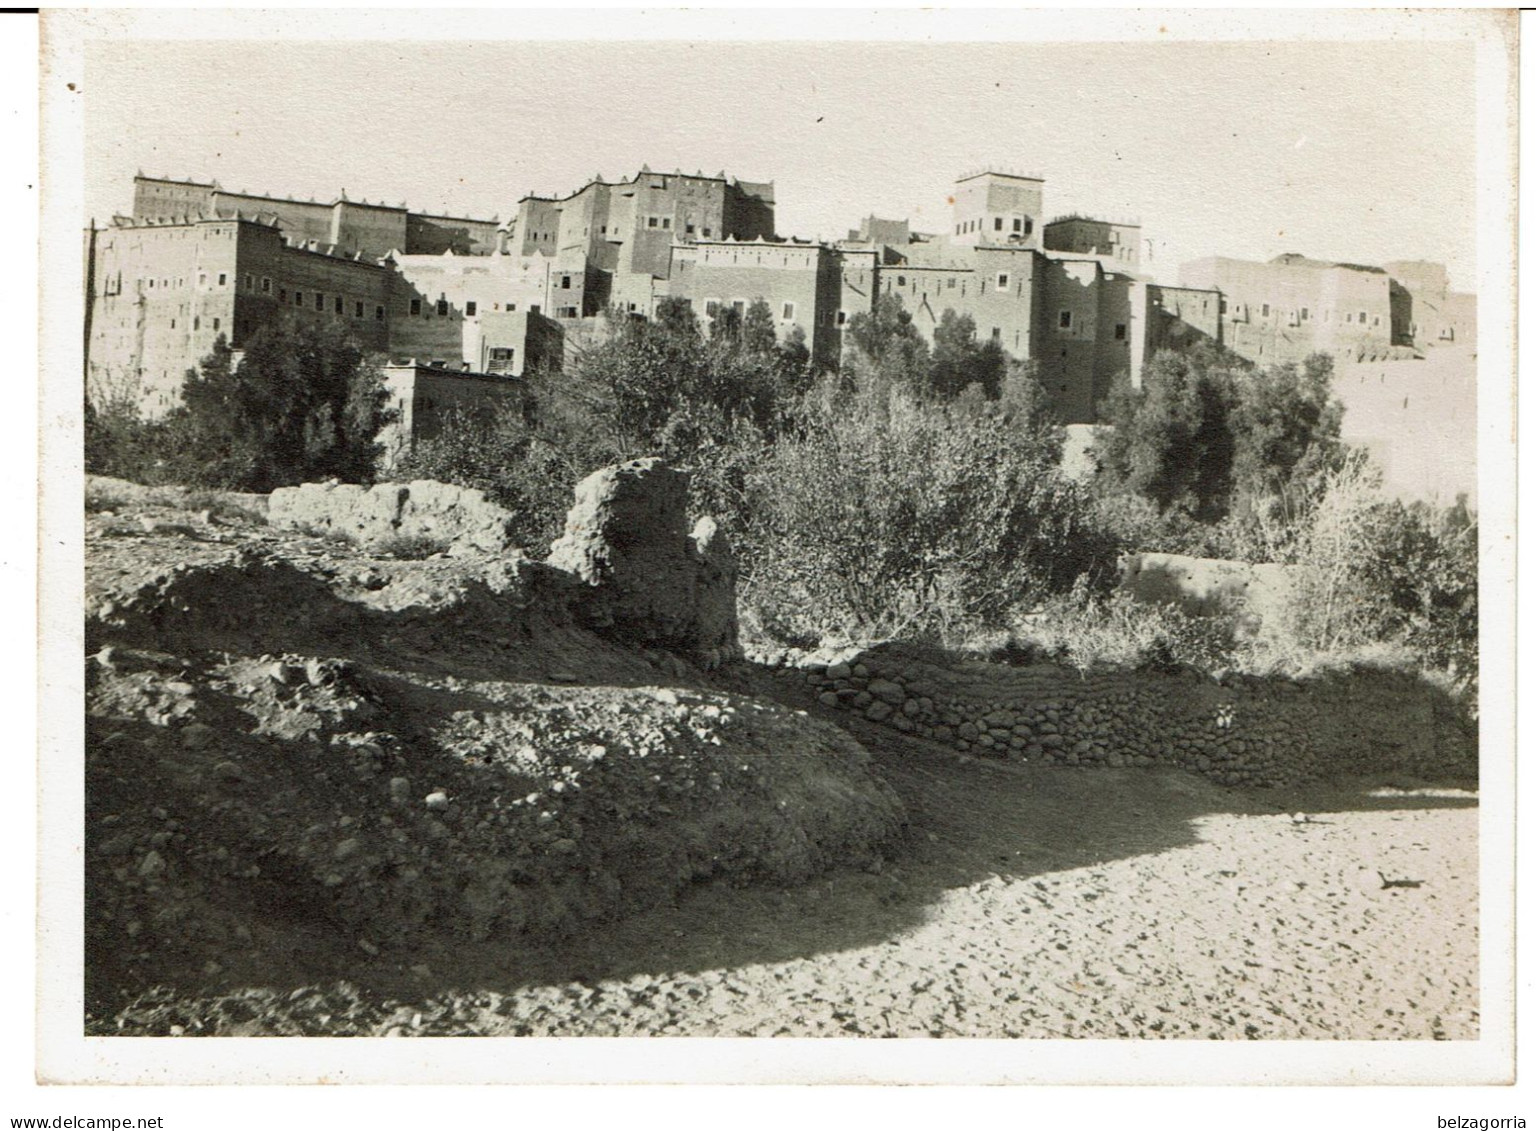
(1362, 152)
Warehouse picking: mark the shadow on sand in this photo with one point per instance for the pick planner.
(969, 822)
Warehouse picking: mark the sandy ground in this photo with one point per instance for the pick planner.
(1023, 900)
(1028, 902)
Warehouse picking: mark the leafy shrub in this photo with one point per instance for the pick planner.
(1379, 571)
(502, 454)
(302, 403)
(884, 515)
(1089, 630)
(1208, 435)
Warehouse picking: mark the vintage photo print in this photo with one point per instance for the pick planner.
(985, 529)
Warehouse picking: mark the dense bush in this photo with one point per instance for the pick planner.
(303, 403)
(1217, 458)
(515, 463)
(1208, 438)
(1092, 630)
(1378, 571)
(883, 514)
(917, 491)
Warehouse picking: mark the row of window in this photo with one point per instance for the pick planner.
(1019, 226)
(1002, 280)
(317, 299)
(471, 308)
(712, 307)
(1303, 314)
(164, 284)
(664, 224)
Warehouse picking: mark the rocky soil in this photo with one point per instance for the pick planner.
(331, 793)
(1026, 902)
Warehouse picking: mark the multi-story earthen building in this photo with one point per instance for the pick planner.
(482, 297)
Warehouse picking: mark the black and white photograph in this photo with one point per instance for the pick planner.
(986, 530)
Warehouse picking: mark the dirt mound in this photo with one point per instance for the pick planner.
(293, 743)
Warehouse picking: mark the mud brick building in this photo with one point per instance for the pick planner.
(195, 261)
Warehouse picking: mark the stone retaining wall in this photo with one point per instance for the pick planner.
(1240, 730)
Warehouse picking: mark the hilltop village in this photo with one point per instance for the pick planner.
(462, 307)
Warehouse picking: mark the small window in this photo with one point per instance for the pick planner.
(997, 333)
(1066, 320)
(511, 306)
(789, 311)
(357, 311)
(500, 360)
(282, 294)
(1362, 318)
(901, 280)
(469, 309)
(711, 307)
(1264, 311)
(1119, 331)
(173, 323)
(687, 229)
(1029, 225)
(197, 323)
(415, 306)
(1304, 314)
(339, 305)
(997, 223)
(250, 282)
(666, 222)
(1002, 280)
(570, 311)
(319, 302)
(202, 280)
(652, 221)
(565, 282)
(266, 285)
(298, 298)
(222, 278)
(1018, 224)
(951, 284)
(842, 317)
(215, 323)
(378, 314)
(442, 308)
